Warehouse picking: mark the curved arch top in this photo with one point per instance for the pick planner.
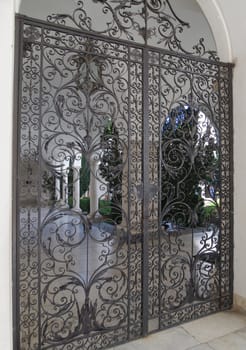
(214, 16)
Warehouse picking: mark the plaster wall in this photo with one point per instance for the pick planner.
(218, 25)
(234, 15)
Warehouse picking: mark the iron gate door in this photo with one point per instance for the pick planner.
(123, 188)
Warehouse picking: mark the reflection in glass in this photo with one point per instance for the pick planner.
(190, 172)
(79, 221)
(189, 207)
(111, 171)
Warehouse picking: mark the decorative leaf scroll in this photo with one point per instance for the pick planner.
(73, 302)
(149, 22)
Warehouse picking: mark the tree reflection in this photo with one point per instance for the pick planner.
(190, 168)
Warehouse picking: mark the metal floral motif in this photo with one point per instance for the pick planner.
(78, 303)
(152, 22)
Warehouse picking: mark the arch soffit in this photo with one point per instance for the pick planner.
(215, 18)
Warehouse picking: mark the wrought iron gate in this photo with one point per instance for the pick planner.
(124, 181)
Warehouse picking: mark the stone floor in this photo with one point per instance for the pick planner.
(222, 331)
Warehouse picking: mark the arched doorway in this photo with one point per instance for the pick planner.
(124, 176)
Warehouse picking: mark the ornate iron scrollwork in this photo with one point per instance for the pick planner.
(145, 128)
(135, 20)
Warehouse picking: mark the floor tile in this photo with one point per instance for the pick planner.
(202, 347)
(215, 326)
(232, 341)
(127, 346)
(175, 339)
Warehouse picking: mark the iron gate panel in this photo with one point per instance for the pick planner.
(81, 108)
(131, 124)
(188, 158)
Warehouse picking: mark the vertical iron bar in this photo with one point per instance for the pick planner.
(146, 23)
(128, 197)
(145, 158)
(15, 175)
(192, 263)
(40, 183)
(220, 191)
(159, 194)
(231, 173)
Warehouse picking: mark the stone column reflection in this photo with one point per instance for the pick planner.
(76, 182)
(95, 185)
(65, 187)
(58, 175)
(57, 188)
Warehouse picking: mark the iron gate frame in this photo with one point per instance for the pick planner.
(225, 301)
